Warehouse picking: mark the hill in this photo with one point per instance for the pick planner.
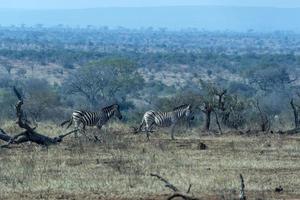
(202, 17)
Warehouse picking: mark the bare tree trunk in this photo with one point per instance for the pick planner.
(296, 114)
(218, 122)
(265, 122)
(207, 119)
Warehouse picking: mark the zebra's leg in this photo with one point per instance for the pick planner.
(76, 125)
(95, 136)
(148, 129)
(140, 127)
(172, 131)
(83, 131)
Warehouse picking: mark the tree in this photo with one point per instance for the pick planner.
(105, 80)
(271, 77)
(40, 97)
(233, 111)
(296, 111)
(216, 101)
(212, 101)
(7, 66)
(264, 119)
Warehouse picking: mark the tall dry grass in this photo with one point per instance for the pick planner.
(120, 165)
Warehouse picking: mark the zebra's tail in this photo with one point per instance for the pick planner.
(139, 129)
(70, 121)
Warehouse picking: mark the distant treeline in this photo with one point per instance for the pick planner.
(149, 68)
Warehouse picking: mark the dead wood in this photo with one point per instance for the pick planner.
(242, 190)
(177, 192)
(167, 184)
(4, 136)
(29, 134)
(182, 196)
(290, 132)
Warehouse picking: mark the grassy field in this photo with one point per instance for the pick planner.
(120, 166)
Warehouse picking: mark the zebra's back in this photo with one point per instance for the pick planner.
(85, 117)
(162, 119)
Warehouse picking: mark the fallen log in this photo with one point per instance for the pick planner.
(290, 132)
(4, 136)
(29, 134)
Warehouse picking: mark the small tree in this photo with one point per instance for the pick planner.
(270, 77)
(212, 101)
(233, 111)
(41, 97)
(217, 101)
(105, 80)
(7, 66)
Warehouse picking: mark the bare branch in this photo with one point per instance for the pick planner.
(182, 196)
(175, 189)
(189, 189)
(167, 184)
(242, 190)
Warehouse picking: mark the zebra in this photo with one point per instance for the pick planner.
(86, 118)
(165, 119)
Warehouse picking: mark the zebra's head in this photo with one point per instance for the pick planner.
(113, 110)
(185, 110)
(188, 112)
(117, 112)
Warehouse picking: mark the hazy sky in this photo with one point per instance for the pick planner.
(71, 4)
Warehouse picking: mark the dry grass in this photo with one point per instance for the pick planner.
(119, 167)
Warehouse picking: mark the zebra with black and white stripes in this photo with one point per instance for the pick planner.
(86, 118)
(165, 119)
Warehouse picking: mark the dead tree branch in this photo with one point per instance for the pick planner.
(182, 196)
(242, 190)
(176, 191)
(290, 132)
(29, 134)
(4, 136)
(189, 189)
(167, 184)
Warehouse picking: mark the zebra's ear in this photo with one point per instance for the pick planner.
(189, 107)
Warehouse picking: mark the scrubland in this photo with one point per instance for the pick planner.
(119, 166)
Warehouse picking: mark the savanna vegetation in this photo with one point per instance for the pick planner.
(243, 88)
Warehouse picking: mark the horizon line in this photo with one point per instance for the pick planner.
(163, 6)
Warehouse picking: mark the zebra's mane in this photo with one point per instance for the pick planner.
(110, 107)
(180, 107)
